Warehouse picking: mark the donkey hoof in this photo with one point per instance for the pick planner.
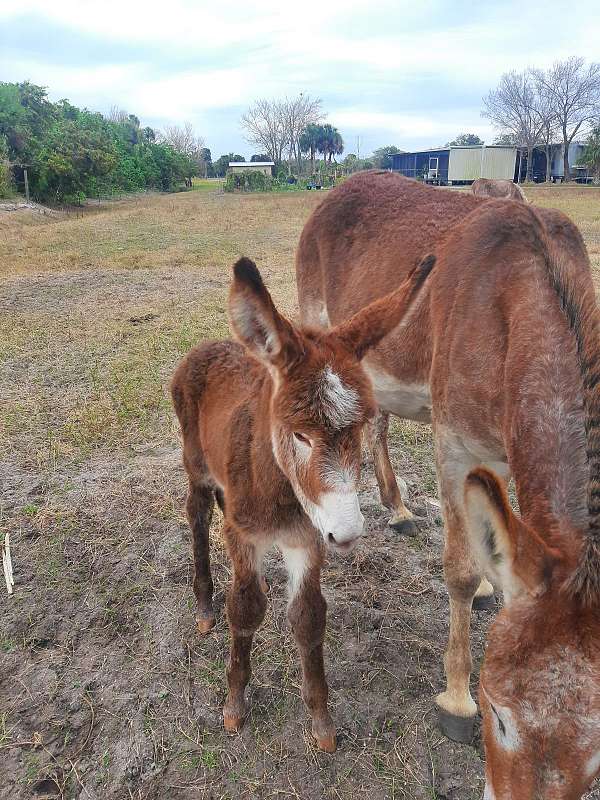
(232, 722)
(459, 729)
(485, 602)
(264, 585)
(326, 743)
(205, 623)
(406, 527)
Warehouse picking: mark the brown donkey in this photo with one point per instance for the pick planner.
(503, 356)
(272, 427)
(487, 187)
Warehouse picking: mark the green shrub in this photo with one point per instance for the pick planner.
(74, 153)
(248, 181)
(6, 182)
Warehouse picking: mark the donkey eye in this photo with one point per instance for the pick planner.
(302, 438)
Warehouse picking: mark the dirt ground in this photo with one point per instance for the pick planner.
(106, 690)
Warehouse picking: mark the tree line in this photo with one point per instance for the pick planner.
(72, 153)
(288, 129)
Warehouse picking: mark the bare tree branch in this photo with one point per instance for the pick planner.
(572, 91)
(185, 141)
(275, 126)
(264, 126)
(117, 114)
(514, 107)
(298, 113)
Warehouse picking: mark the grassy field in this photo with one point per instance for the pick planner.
(207, 184)
(106, 690)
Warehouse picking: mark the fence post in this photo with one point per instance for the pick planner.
(26, 185)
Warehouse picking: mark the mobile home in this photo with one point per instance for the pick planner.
(449, 165)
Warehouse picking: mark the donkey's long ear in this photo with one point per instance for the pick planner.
(255, 320)
(369, 325)
(511, 553)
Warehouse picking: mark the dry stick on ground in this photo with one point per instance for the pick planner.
(7, 564)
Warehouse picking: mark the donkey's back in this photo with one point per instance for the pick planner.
(365, 237)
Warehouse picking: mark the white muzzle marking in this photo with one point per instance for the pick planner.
(339, 518)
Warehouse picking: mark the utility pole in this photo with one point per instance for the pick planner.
(358, 146)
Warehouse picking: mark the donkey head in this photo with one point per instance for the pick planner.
(321, 396)
(540, 681)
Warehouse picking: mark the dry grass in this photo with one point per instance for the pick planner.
(582, 204)
(106, 689)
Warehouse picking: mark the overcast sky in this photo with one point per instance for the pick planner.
(409, 72)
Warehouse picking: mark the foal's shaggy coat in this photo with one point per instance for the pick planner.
(272, 428)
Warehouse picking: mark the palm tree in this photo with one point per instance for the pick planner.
(324, 141)
(338, 144)
(309, 140)
(330, 142)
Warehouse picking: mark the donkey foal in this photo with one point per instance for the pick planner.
(272, 429)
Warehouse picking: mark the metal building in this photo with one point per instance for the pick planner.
(266, 167)
(579, 172)
(448, 165)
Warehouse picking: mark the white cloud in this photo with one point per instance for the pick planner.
(388, 69)
(441, 126)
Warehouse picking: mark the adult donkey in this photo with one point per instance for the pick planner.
(502, 356)
(488, 187)
(271, 428)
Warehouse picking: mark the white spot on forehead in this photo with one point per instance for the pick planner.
(341, 403)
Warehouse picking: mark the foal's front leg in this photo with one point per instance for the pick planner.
(307, 613)
(246, 606)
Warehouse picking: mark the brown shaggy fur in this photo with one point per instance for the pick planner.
(486, 187)
(270, 425)
(503, 356)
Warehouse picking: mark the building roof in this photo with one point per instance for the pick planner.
(449, 147)
(251, 163)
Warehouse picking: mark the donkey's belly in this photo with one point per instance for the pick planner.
(407, 400)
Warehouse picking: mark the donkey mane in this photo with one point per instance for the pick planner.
(578, 304)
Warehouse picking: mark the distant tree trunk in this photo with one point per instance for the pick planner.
(529, 164)
(566, 169)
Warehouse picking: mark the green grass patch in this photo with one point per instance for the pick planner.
(207, 184)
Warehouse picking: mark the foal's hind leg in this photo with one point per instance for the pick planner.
(246, 606)
(377, 435)
(199, 508)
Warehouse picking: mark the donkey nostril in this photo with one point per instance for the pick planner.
(331, 538)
